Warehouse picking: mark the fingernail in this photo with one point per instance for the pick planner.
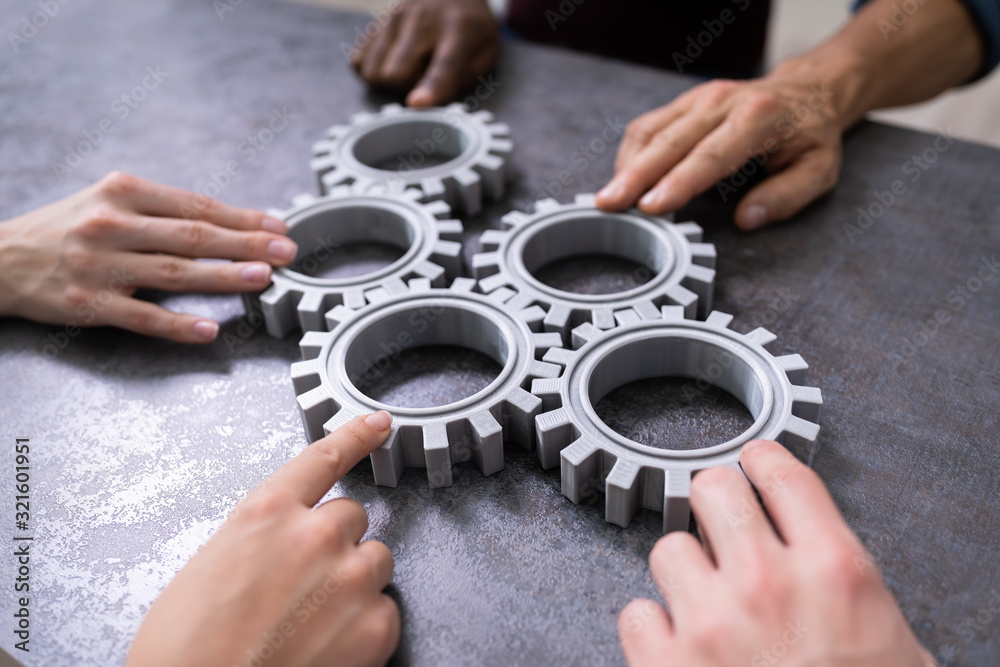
(612, 191)
(756, 216)
(653, 199)
(418, 98)
(206, 329)
(282, 249)
(379, 421)
(273, 225)
(256, 273)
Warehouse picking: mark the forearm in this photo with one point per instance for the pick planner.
(885, 57)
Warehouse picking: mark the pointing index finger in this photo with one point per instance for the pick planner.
(321, 465)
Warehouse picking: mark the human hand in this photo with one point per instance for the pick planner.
(787, 123)
(282, 582)
(432, 48)
(79, 260)
(803, 589)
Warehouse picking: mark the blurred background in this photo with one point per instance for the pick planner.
(799, 25)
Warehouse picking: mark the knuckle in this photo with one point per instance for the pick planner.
(196, 234)
(718, 90)
(708, 631)
(761, 103)
(76, 297)
(709, 151)
(329, 453)
(841, 567)
(172, 271)
(100, 223)
(713, 478)
(263, 505)
(118, 183)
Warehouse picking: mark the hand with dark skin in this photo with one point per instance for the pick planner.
(431, 49)
(792, 120)
(283, 582)
(791, 585)
(78, 261)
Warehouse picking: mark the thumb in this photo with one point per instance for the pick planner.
(789, 191)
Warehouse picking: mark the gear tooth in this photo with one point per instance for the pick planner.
(387, 460)
(449, 230)
(392, 109)
(463, 285)
(278, 306)
(672, 313)
(449, 255)
(626, 317)
(520, 301)
(555, 432)
(433, 188)
(583, 334)
(337, 315)
(700, 280)
(761, 336)
(483, 116)
(543, 369)
(533, 317)
(341, 417)
(336, 131)
(800, 437)
(546, 341)
(547, 389)
(491, 239)
(304, 199)
(692, 231)
(276, 213)
(485, 264)
(676, 500)
(341, 191)
(499, 129)
(794, 366)
(395, 286)
(330, 180)
(559, 355)
(491, 169)
(362, 117)
(647, 310)
(305, 375)
(519, 424)
(457, 108)
(487, 436)
(602, 318)
(682, 296)
(469, 191)
(501, 146)
(807, 402)
(323, 163)
(312, 343)
(417, 285)
(433, 272)
(354, 298)
(501, 295)
(310, 310)
(514, 219)
(547, 204)
(437, 455)
(588, 199)
(558, 319)
(316, 407)
(719, 319)
(581, 471)
(622, 493)
(703, 254)
(377, 295)
(413, 195)
(490, 283)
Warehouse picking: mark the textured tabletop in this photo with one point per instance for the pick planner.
(141, 447)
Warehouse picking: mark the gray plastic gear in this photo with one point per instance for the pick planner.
(682, 269)
(361, 344)
(430, 240)
(446, 152)
(633, 475)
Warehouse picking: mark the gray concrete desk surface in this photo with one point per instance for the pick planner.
(140, 447)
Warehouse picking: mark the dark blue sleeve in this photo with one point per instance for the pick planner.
(985, 13)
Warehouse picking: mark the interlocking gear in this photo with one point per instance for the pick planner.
(429, 239)
(680, 269)
(361, 345)
(447, 152)
(594, 457)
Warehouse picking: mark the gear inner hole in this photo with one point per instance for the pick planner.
(343, 242)
(595, 254)
(428, 357)
(414, 144)
(676, 393)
